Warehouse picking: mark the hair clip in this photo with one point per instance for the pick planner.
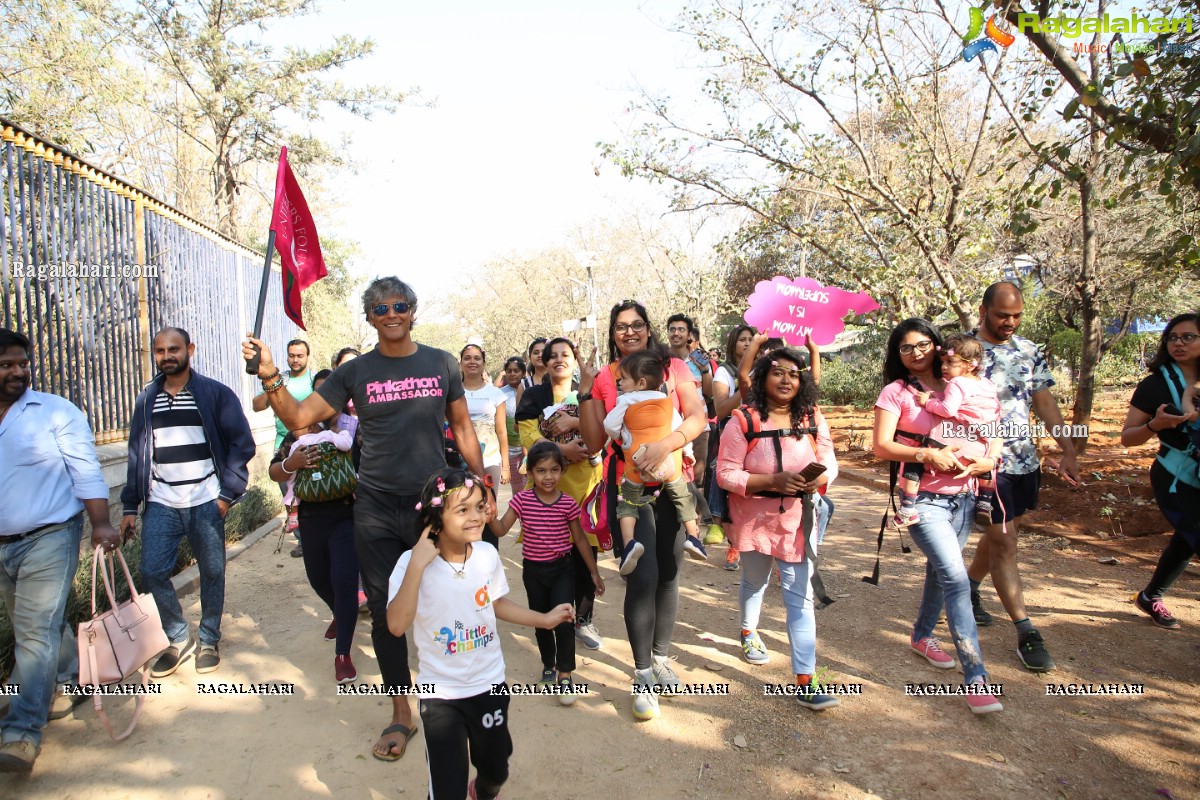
(418, 506)
(469, 483)
(441, 486)
(949, 353)
(436, 501)
(938, 348)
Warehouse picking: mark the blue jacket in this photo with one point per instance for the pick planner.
(225, 428)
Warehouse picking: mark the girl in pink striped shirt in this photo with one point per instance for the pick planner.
(550, 524)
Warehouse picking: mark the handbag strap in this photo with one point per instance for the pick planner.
(99, 705)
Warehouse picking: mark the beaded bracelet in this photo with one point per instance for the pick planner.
(275, 387)
(271, 377)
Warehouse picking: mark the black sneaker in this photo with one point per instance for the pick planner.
(171, 658)
(1032, 651)
(209, 658)
(1156, 611)
(982, 617)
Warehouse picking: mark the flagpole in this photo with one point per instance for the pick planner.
(253, 364)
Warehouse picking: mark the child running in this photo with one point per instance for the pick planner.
(450, 589)
(550, 527)
(969, 401)
(644, 414)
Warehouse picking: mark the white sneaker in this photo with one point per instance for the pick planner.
(645, 701)
(665, 677)
(588, 636)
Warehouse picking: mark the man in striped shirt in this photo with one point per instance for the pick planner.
(189, 446)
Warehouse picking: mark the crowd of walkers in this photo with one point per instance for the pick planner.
(390, 464)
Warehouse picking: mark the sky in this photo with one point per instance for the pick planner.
(503, 159)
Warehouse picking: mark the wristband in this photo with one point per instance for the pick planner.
(583, 398)
(274, 387)
(271, 377)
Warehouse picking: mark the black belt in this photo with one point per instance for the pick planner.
(43, 529)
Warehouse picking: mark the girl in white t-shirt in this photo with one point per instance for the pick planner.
(486, 405)
(450, 589)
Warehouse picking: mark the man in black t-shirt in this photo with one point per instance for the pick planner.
(402, 392)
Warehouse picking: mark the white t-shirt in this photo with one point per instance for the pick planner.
(723, 376)
(482, 403)
(455, 631)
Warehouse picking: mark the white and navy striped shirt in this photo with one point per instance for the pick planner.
(182, 474)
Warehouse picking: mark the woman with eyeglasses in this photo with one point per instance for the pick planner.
(945, 503)
(1166, 404)
(652, 589)
(403, 392)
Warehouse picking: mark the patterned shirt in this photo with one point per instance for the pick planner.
(1018, 369)
(545, 534)
(182, 473)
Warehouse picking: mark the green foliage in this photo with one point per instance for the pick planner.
(856, 382)
(261, 503)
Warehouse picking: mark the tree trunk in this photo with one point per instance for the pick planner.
(1089, 317)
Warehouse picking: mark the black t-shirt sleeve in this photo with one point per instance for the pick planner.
(338, 388)
(454, 386)
(1151, 393)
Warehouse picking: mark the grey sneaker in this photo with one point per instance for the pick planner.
(172, 657)
(665, 677)
(209, 658)
(588, 636)
(754, 650)
(645, 701)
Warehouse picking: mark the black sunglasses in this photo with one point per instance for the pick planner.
(399, 308)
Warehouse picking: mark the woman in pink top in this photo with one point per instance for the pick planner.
(945, 502)
(652, 589)
(772, 510)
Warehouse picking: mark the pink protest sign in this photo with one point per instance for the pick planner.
(795, 308)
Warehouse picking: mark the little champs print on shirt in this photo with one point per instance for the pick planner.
(405, 389)
(462, 639)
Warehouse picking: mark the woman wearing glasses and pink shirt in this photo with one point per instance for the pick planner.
(945, 502)
(652, 590)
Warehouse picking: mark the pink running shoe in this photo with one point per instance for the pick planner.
(932, 652)
(471, 791)
(983, 702)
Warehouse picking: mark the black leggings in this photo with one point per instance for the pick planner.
(331, 563)
(384, 529)
(1180, 509)
(585, 590)
(548, 584)
(459, 733)
(652, 590)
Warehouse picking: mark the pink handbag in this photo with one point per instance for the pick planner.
(119, 642)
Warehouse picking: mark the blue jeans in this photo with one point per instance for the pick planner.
(797, 599)
(825, 509)
(163, 529)
(941, 534)
(36, 574)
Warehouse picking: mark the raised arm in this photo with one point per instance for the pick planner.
(294, 415)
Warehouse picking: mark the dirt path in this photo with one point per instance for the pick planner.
(882, 743)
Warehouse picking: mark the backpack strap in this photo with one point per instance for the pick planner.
(889, 509)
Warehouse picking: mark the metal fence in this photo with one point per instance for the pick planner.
(91, 266)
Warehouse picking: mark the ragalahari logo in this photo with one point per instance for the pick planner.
(993, 35)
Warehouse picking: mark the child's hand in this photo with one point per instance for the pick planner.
(599, 583)
(558, 615)
(922, 398)
(424, 551)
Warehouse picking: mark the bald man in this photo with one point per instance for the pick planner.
(189, 447)
(1018, 369)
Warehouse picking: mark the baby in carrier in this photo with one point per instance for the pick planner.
(645, 414)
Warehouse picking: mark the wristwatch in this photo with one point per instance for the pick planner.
(920, 455)
(583, 398)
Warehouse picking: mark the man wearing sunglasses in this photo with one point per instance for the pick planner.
(403, 392)
(1018, 369)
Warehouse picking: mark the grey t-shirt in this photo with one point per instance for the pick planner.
(401, 404)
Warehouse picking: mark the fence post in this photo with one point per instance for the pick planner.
(139, 254)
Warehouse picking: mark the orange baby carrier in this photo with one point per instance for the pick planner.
(650, 421)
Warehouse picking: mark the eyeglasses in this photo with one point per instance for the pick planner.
(919, 347)
(1186, 338)
(382, 309)
(636, 327)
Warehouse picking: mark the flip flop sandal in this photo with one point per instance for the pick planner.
(409, 733)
